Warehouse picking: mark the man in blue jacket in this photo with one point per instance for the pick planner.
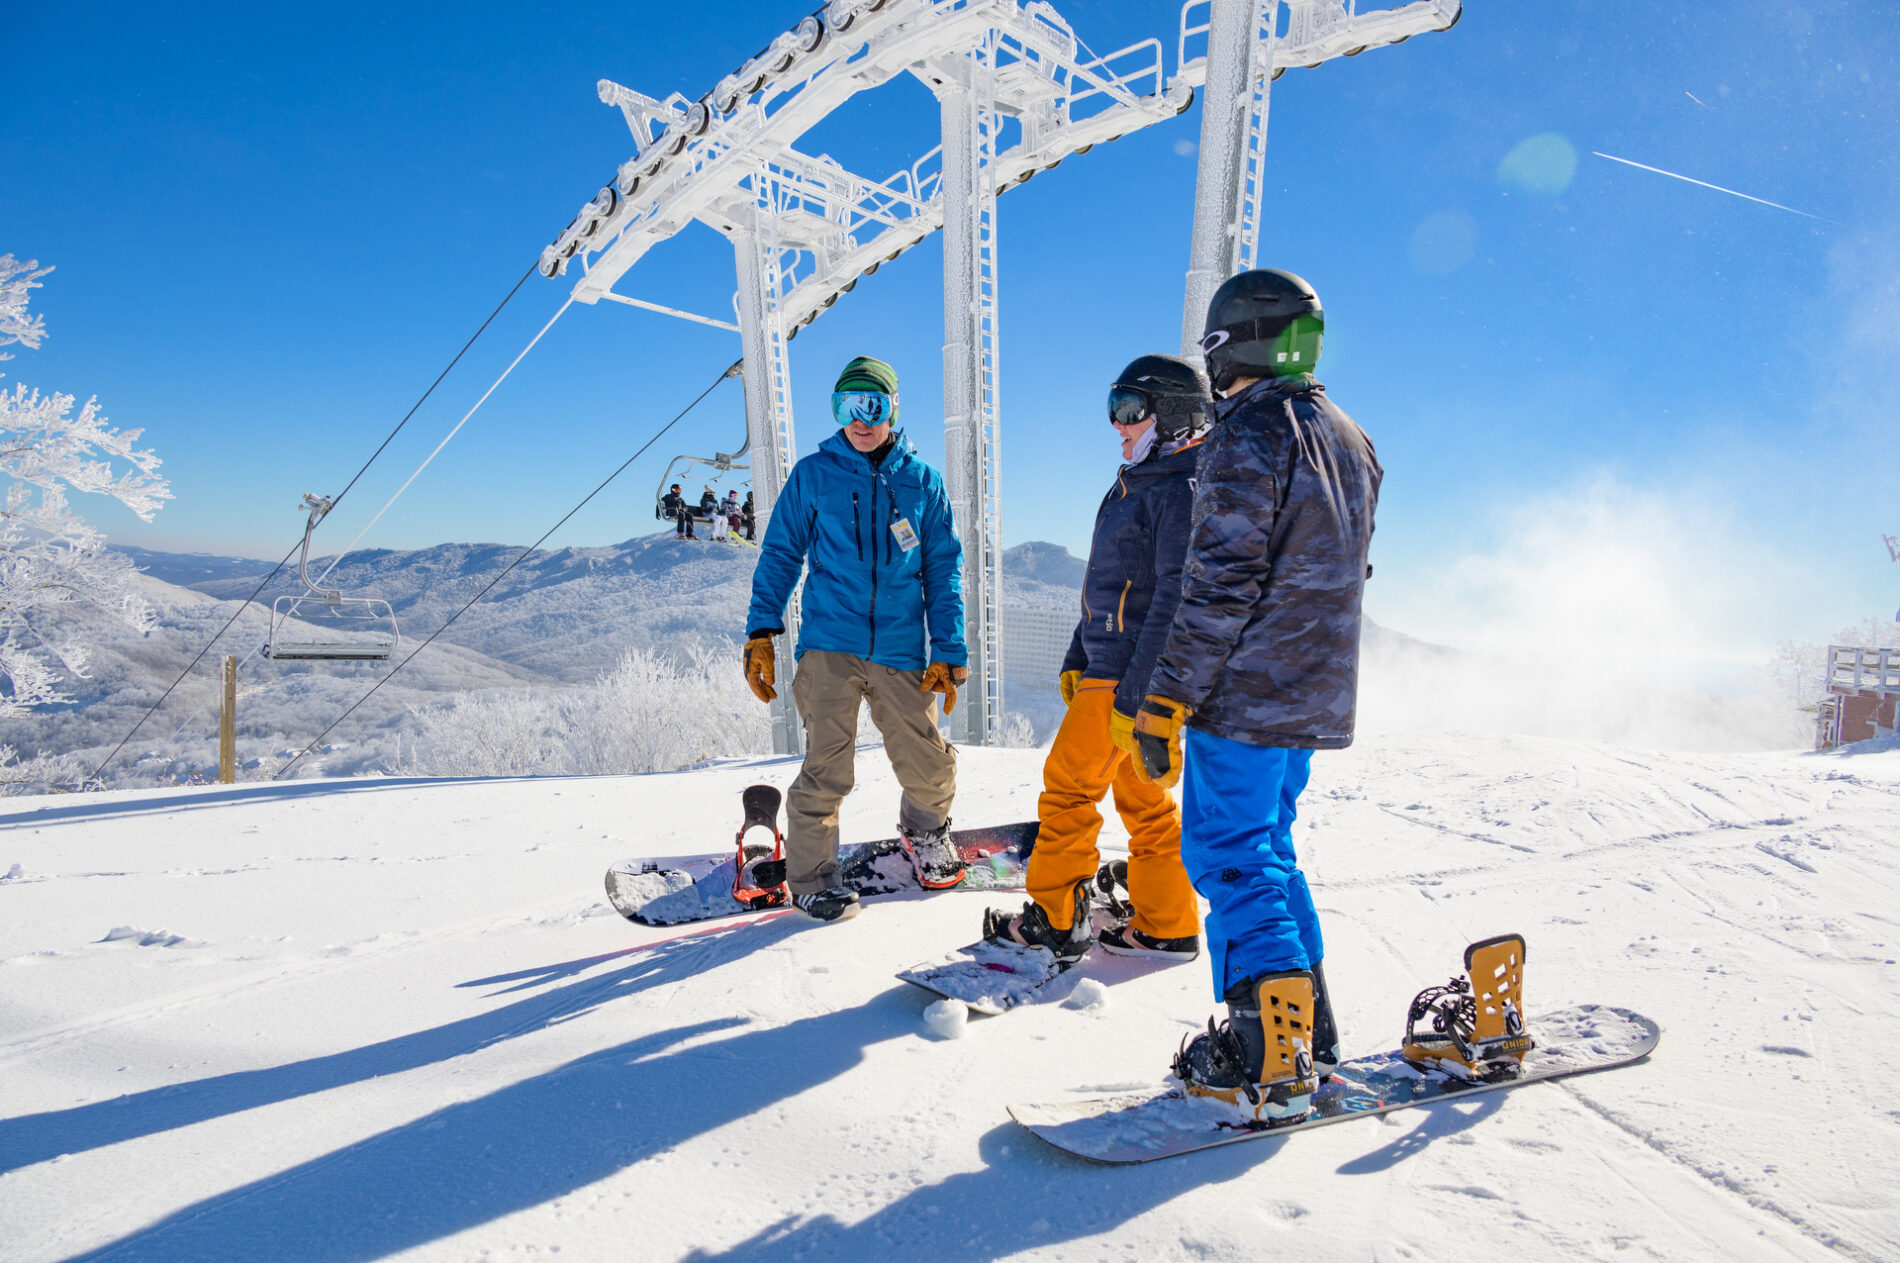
(868, 522)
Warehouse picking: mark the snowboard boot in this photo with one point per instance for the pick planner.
(1325, 1030)
(1260, 1059)
(838, 903)
(933, 856)
(1126, 940)
(1031, 928)
(1123, 939)
(1477, 1029)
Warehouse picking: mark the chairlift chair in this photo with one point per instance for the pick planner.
(374, 619)
(720, 463)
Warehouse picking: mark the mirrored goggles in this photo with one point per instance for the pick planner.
(867, 407)
(1129, 406)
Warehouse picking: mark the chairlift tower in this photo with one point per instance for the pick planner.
(1251, 43)
(1018, 92)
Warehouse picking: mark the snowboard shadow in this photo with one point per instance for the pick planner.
(1441, 1119)
(520, 1146)
(32, 1138)
(1026, 1196)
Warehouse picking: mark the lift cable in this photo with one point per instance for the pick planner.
(192, 665)
(521, 557)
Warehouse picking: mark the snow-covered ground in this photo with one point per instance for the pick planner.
(355, 1019)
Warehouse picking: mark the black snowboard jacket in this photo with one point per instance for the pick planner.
(1133, 581)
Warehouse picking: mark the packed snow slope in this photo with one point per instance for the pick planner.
(351, 1020)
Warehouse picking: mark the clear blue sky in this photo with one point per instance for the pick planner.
(273, 227)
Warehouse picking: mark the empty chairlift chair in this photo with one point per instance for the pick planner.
(323, 625)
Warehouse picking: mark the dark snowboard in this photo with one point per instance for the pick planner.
(683, 889)
(1162, 1122)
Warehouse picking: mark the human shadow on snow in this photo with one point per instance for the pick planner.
(527, 1144)
(1025, 1196)
(1441, 1119)
(33, 1138)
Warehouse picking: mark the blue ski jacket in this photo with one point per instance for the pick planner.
(879, 546)
(1133, 583)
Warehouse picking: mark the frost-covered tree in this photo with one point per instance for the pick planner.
(16, 280)
(49, 557)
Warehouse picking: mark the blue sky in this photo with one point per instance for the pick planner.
(273, 227)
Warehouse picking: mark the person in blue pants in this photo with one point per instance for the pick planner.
(1259, 670)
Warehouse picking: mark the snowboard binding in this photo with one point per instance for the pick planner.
(1111, 875)
(1260, 1060)
(758, 876)
(1477, 1022)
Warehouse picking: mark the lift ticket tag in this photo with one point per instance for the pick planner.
(906, 538)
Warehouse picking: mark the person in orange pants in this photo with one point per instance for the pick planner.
(1129, 594)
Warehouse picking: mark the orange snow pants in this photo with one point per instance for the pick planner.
(1083, 765)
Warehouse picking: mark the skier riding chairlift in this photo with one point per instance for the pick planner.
(719, 466)
(375, 616)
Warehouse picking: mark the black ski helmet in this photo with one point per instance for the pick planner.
(1171, 390)
(1263, 323)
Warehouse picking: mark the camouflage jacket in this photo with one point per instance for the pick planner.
(1265, 644)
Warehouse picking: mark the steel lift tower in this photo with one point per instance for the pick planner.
(1018, 92)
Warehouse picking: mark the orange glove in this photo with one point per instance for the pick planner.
(761, 666)
(941, 677)
(1070, 682)
(1158, 739)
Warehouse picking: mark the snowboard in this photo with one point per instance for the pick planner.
(677, 890)
(1162, 1122)
(993, 978)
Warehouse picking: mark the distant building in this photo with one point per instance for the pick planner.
(1863, 692)
(1035, 640)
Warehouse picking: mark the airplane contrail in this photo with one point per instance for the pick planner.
(1718, 188)
(1693, 97)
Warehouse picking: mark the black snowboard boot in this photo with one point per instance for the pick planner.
(1260, 1058)
(1325, 1030)
(1031, 928)
(1126, 940)
(933, 856)
(839, 903)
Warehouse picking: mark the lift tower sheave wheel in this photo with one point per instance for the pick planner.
(359, 629)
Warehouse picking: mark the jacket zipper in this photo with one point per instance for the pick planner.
(857, 528)
(1121, 609)
(870, 617)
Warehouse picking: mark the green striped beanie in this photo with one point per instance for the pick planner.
(865, 373)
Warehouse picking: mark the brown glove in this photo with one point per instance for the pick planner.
(1158, 727)
(941, 677)
(761, 666)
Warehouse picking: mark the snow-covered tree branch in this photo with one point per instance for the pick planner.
(49, 557)
(16, 279)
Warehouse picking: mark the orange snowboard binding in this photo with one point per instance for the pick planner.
(1477, 1028)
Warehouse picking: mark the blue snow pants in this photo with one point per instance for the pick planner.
(1237, 808)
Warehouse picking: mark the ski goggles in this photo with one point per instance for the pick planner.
(1128, 405)
(866, 407)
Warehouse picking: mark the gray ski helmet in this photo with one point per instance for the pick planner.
(1166, 387)
(1263, 323)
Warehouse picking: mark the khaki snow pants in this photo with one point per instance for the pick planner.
(827, 688)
